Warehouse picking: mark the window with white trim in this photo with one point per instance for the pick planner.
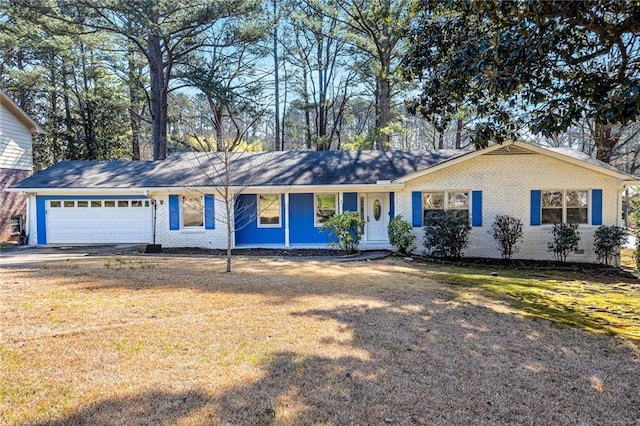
(192, 211)
(16, 225)
(325, 206)
(565, 206)
(434, 202)
(269, 210)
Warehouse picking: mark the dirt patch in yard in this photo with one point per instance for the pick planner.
(153, 340)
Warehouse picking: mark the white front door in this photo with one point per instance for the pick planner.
(377, 217)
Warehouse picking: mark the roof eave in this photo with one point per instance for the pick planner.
(24, 118)
(386, 186)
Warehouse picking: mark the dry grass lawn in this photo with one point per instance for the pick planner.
(146, 340)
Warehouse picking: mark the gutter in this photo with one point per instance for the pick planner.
(377, 187)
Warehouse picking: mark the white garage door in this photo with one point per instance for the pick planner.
(98, 221)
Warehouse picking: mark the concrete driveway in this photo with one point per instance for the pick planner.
(29, 255)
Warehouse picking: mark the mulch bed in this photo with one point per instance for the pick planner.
(256, 252)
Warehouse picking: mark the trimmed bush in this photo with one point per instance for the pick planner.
(400, 236)
(507, 231)
(607, 243)
(636, 252)
(565, 240)
(446, 234)
(347, 227)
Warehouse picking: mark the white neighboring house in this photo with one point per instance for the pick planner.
(16, 163)
(282, 198)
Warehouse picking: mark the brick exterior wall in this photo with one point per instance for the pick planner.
(506, 183)
(11, 203)
(205, 238)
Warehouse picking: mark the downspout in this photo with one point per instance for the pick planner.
(155, 215)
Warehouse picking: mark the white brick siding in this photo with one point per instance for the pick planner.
(204, 238)
(506, 182)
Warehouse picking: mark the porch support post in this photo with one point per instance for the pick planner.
(286, 219)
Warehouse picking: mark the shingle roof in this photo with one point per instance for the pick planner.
(286, 168)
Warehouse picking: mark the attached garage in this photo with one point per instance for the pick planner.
(94, 220)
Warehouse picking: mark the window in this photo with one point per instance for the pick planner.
(192, 212)
(55, 204)
(109, 203)
(83, 204)
(95, 203)
(325, 206)
(269, 210)
(136, 203)
(123, 203)
(459, 202)
(16, 225)
(564, 207)
(437, 202)
(69, 204)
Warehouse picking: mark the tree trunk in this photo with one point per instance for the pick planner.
(307, 114)
(158, 98)
(383, 112)
(276, 78)
(605, 141)
(229, 212)
(458, 134)
(134, 103)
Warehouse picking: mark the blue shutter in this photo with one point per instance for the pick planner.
(350, 202)
(476, 205)
(209, 212)
(392, 205)
(41, 219)
(416, 209)
(536, 207)
(174, 213)
(596, 206)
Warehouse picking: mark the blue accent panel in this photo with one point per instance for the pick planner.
(41, 219)
(246, 223)
(209, 212)
(416, 209)
(596, 206)
(301, 222)
(536, 207)
(174, 213)
(350, 202)
(41, 208)
(392, 205)
(476, 206)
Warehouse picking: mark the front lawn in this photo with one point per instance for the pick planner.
(146, 340)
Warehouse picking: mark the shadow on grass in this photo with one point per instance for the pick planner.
(438, 363)
(150, 408)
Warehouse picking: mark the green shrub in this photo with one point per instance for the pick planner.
(400, 235)
(347, 227)
(636, 254)
(607, 243)
(446, 234)
(507, 231)
(565, 240)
